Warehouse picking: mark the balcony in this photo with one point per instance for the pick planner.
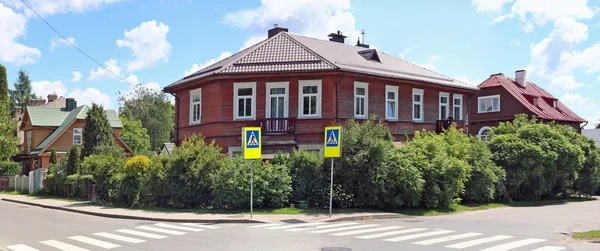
(444, 124)
(277, 125)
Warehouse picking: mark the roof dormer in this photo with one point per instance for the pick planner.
(370, 54)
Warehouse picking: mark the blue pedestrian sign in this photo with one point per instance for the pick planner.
(332, 142)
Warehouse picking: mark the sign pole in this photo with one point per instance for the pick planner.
(331, 189)
(251, 186)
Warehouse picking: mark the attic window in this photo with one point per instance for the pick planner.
(554, 103)
(535, 101)
(370, 55)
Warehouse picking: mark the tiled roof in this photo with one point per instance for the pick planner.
(525, 95)
(44, 116)
(294, 53)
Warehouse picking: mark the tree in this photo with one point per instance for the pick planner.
(73, 161)
(96, 130)
(53, 159)
(135, 135)
(154, 110)
(8, 141)
(22, 94)
(3, 86)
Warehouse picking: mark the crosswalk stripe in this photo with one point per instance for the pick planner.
(323, 226)
(447, 238)
(366, 231)
(143, 234)
(514, 244)
(549, 248)
(471, 243)
(298, 225)
(200, 225)
(421, 235)
(343, 228)
(160, 230)
(21, 247)
(267, 225)
(119, 237)
(373, 236)
(62, 246)
(178, 227)
(94, 242)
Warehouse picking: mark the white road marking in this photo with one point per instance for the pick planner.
(21, 247)
(344, 228)
(421, 235)
(119, 237)
(178, 227)
(514, 244)
(160, 230)
(467, 244)
(298, 225)
(323, 226)
(549, 248)
(200, 225)
(92, 241)
(62, 246)
(143, 234)
(373, 236)
(267, 225)
(366, 231)
(447, 238)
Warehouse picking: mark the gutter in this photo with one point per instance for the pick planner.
(581, 128)
(176, 117)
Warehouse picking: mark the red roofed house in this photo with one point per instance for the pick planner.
(501, 98)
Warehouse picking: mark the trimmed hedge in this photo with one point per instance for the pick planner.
(8, 168)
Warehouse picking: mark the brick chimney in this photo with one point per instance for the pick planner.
(276, 30)
(337, 37)
(52, 97)
(521, 77)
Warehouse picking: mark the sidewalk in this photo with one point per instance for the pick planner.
(123, 213)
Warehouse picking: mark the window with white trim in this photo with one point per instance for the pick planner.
(391, 102)
(488, 104)
(309, 98)
(195, 106)
(277, 100)
(484, 132)
(554, 103)
(417, 109)
(457, 106)
(244, 97)
(361, 100)
(444, 103)
(29, 141)
(77, 136)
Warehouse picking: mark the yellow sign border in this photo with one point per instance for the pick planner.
(251, 153)
(332, 151)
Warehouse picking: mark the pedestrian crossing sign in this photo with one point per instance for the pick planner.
(332, 147)
(251, 142)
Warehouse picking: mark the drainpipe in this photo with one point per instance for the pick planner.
(337, 99)
(581, 128)
(176, 118)
(469, 113)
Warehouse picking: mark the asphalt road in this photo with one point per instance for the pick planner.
(28, 228)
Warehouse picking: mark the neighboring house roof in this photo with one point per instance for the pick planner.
(168, 148)
(54, 117)
(525, 95)
(592, 134)
(286, 52)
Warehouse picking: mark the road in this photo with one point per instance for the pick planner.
(28, 228)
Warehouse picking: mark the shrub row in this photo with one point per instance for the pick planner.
(8, 168)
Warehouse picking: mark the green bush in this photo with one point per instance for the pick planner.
(486, 181)
(310, 182)
(130, 179)
(79, 185)
(231, 184)
(105, 165)
(73, 161)
(8, 168)
(155, 191)
(588, 178)
(399, 183)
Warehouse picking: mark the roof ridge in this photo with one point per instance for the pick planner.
(245, 52)
(310, 50)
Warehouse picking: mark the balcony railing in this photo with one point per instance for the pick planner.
(444, 124)
(278, 125)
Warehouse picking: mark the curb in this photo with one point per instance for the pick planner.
(131, 217)
(370, 217)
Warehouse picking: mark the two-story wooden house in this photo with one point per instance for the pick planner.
(47, 128)
(293, 86)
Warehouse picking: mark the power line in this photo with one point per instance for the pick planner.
(74, 46)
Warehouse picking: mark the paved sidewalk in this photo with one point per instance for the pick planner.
(123, 213)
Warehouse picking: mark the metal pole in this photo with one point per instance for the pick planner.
(251, 185)
(331, 189)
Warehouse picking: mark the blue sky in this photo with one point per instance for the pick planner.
(155, 42)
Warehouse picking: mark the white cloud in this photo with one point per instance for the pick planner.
(406, 51)
(434, 58)
(490, 5)
(43, 88)
(430, 62)
(467, 80)
(196, 67)
(91, 95)
(598, 78)
(148, 44)
(578, 101)
(515, 42)
(101, 74)
(13, 26)
(500, 19)
(565, 83)
(49, 8)
(54, 42)
(586, 59)
(132, 79)
(76, 76)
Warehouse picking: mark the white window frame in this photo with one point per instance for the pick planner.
(480, 133)
(192, 104)
(447, 105)
(421, 93)
(80, 135)
(236, 100)
(554, 103)
(286, 97)
(234, 149)
(488, 97)
(394, 89)
(365, 86)
(319, 95)
(460, 107)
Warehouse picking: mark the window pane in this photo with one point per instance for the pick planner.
(362, 106)
(240, 107)
(357, 108)
(196, 98)
(273, 107)
(197, 112)
(481, 105)
(360, 91)
(306, 106)
(417, 98)
(245, 92)
(456, 112)
(194, 113)
(417, 111)
(444, 100)
(310, 89)
(277, 90)
(391, 95)
(488, 105)
(313, 105)
(444, 112)
(496, 104)
(280, 104)
(248, 107)
(457, 101)
(391, 106)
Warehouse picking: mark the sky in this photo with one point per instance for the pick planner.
(157, 42)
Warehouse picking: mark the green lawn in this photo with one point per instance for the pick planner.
(593, 235)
